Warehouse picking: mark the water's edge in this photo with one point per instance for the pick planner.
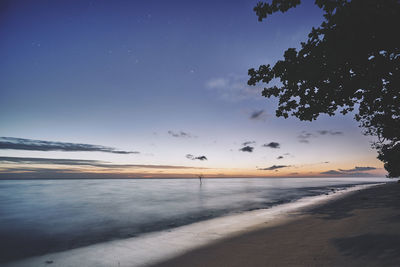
(158, 246)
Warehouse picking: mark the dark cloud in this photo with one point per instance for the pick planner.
(255, 115)
(247, 149)
(274, 167)
(50, 161)
(272, 145)
(64, 174)
(248, 143)
(332, 172)
(37, 169)
(323, 132)
(181, 134)
(40, 145)
(356, 171)
(45, 173)
(280, 157)
(79, 162)
(191, 157)
(304, 137)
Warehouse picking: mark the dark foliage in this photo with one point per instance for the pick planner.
(351, 62)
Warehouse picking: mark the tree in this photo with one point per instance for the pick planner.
(350, 63)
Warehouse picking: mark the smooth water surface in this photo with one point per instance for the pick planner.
(41, 216)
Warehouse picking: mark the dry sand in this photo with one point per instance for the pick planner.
(360, 229)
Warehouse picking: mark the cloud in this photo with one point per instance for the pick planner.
(233, 88)
(48, 168)
(304, 137)
(248, 143)
(359, 169)
(47, 173)
(256, 115)
(181, 134)
(325, 132)
(274, 167)
(272, 145)
(80, 162)
(332, 172)
(280, 157)
(40, 145)
(49, 161)
(191, 157)
(217, 83)
(356, 171)
(247, 149)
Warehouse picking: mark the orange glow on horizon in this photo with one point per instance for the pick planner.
(180, 171)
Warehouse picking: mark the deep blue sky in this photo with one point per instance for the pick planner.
(124, 73)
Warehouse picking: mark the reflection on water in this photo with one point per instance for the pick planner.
(39, 216)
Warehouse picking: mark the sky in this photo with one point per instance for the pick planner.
(136, 89)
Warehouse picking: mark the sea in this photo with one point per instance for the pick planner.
(43, 216)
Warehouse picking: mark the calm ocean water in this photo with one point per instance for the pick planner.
(41, 216)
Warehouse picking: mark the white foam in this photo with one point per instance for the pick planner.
(158, 246)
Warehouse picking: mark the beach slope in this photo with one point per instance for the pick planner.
(360, 229)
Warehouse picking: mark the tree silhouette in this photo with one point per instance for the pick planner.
(351, 62)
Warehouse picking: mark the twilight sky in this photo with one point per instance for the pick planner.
(158, 89)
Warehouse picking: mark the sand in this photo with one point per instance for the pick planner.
(360, 229)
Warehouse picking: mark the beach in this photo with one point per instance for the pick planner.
(199, 133)
(360, 229)
(343, 227)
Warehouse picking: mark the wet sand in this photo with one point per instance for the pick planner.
(360, 229)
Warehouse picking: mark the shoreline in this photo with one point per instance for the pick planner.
(178, 178)
(359, 229)
(157, 247)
